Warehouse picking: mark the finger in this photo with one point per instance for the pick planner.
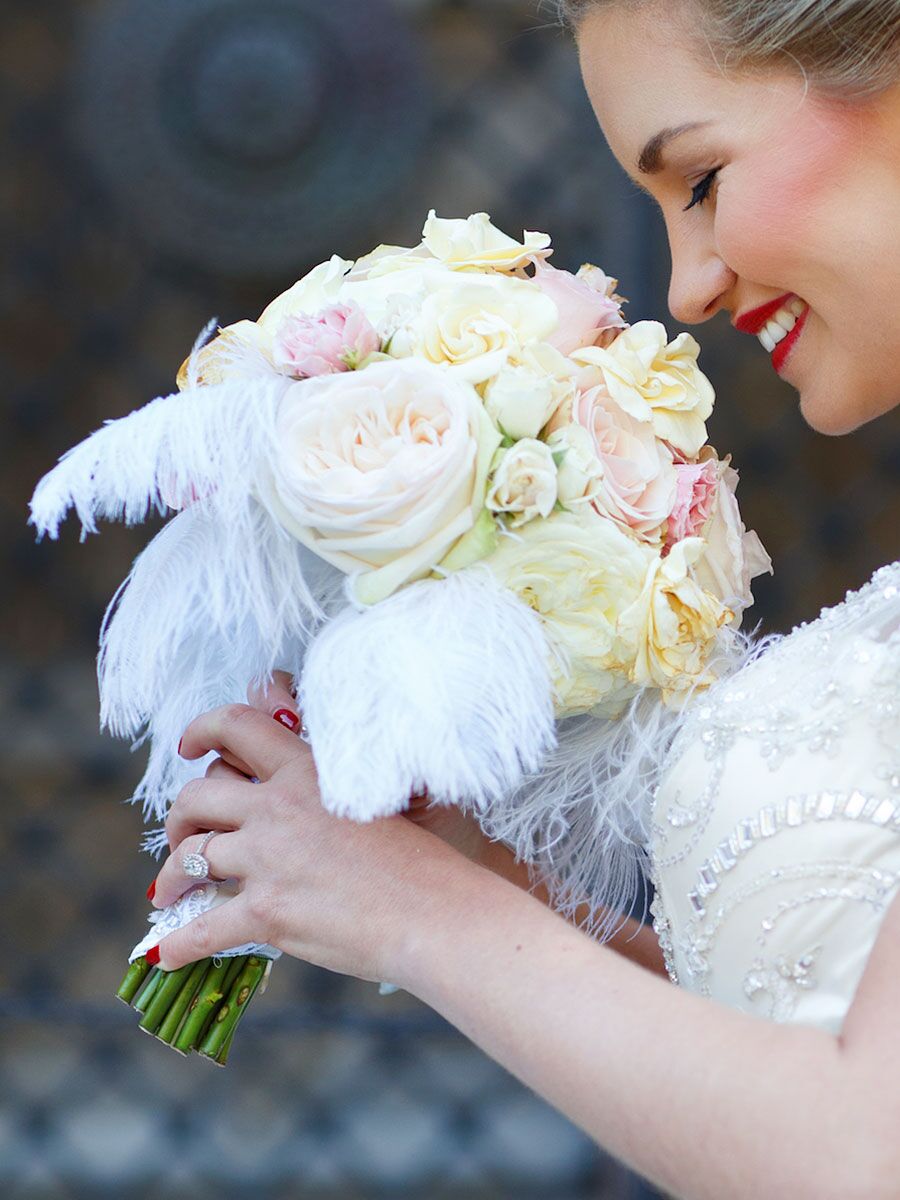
(229, 924)
(223, 853)
(240, 733)
(220, 769)
(277, 699)
(204, 804)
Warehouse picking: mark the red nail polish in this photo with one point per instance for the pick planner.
(152, 956)
(151, 890)
(288, 719)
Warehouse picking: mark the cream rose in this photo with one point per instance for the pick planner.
(579, 473)
(477, 244)
(656, 380)
(637, 483)
(674, 623)
(524, 482)
(476, 327)
(523, 396)
(381, 471)
(733, 555)
(579, 571)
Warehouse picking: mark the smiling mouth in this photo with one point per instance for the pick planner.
(777, 325)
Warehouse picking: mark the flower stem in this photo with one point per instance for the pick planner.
(148, 991)
(233, 1009)
(135, 975)
(173, 1017)
(203, 1006)
(168, 989)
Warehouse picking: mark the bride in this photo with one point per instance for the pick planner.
(769, 135)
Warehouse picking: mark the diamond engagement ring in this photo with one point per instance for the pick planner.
(196, 864)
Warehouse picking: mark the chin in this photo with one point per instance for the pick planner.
(841, 404)
(825, 418)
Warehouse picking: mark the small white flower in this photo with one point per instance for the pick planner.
(524, 482)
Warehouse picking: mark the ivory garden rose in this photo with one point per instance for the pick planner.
(673, 623)
(381, 471)
(579, 571)
(477, 327)
(656, 380)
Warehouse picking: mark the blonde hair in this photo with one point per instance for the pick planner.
(846, 47)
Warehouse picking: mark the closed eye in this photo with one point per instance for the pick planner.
(700, 191)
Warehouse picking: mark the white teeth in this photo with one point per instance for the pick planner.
(780, 324)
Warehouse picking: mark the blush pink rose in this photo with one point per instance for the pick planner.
(695, 491)
(336, 339)
(639, 483)
(585, 309)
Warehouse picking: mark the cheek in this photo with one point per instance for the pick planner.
(780, 203)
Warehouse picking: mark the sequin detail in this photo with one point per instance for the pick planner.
(819, 707)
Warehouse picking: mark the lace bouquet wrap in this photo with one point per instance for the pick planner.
(470, 508)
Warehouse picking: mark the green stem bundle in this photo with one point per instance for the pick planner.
(197, 1007)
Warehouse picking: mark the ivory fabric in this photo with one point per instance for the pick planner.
(775, 831)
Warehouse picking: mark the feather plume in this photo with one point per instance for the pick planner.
(181, 637)
(582, 821)
(444, 685)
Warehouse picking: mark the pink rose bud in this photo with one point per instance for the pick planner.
(694, 494)
(585, 308)
(336, 339)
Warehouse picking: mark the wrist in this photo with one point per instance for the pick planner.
(441, 901)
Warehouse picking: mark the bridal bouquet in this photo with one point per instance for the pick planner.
(469, 507)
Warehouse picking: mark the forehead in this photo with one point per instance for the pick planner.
(644, 72)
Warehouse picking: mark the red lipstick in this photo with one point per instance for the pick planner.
(786, 345)
(754, 319)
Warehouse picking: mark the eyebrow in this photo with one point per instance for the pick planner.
(650, 160)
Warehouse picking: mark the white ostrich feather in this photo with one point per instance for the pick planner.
(582, 820)
(223, 595)
(444, 685)
(179, 638)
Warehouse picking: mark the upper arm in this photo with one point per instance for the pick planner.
(870, 1043)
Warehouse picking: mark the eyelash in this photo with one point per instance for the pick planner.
(700, 191)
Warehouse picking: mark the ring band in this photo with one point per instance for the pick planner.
(196, 865)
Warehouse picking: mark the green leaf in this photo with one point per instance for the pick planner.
(480, 541)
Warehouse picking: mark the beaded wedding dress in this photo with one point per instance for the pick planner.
(775, 834)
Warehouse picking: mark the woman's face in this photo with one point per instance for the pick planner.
(781, 207)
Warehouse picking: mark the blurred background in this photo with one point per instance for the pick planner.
(170, 162)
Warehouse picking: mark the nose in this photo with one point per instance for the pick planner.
(700, 281)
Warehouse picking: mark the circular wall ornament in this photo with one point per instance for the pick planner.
(243, 136)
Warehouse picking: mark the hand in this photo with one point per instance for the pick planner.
(446, 821)
(336, 893)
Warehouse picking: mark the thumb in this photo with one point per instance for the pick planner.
(277, 700)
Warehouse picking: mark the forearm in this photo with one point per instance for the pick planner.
(633, 940)
(703, 1100)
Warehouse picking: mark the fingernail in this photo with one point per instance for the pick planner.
(151, 890)
(180, 744)
(152, 956)
(288, 719)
